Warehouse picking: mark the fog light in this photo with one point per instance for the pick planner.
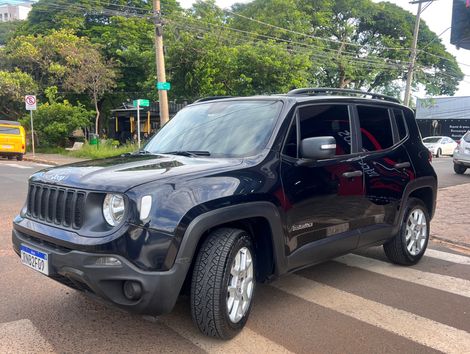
(132, 290)
(108, 261)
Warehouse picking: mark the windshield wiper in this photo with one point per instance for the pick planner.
(188, 153)
(138, 153)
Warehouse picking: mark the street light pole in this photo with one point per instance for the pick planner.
(160, 59)
(409, 76)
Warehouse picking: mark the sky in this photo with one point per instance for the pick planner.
(438, 18)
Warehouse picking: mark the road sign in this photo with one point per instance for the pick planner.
(31, 103)
(141, 103)
(165, 86)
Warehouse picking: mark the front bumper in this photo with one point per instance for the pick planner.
(78, 269)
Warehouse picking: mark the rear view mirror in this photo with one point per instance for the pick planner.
(318, 148)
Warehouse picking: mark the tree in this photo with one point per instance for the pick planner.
(13, 87)
(55, 120)
(7, 30)
(89, 73)
(357, 43)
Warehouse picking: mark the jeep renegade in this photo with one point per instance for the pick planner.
(231, 192)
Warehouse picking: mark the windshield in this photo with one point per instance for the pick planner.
(431, 140)
(466, 137)
(220, 129)
(9, 131)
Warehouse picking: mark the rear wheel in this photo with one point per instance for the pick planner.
(223, 283)
(459, 169)
(409, 245)
(19, 157)
(10, 157)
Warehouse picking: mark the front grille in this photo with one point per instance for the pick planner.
(56, 205)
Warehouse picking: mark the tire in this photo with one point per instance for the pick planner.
(397, 249)
(459, 169)
(211, 277)
(10, 157)
(19, 157)
(438, 153)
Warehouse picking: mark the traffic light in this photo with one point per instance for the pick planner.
(460, 34)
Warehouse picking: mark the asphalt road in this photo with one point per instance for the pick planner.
(356, 304)
(445, 172)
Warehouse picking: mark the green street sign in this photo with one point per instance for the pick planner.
(141, 103)
(165, 86)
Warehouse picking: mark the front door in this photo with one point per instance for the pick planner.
(324, 199)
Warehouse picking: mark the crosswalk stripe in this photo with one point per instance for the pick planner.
(436, 281)
(247, 341)
(22, 337)
(17, 166)
(416, 328)
(446, 256)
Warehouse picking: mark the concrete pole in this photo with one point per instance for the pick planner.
(160, 59)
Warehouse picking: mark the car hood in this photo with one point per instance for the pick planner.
(119, 174)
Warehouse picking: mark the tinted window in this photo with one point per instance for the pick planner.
(224, 129)
(290, 147)
(327, 120)
(401, 125)
(376, 130)
(431, 140)
(8, 130)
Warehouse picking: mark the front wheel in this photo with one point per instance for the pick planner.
(223, 283)
(409, 245)
(459, 169)
(438, 153)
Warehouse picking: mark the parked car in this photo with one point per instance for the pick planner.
(12, 140)
(462, 154)
(229, 193)
(440, 145)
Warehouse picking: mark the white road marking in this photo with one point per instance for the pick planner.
(17, 166)
(22, 337)
(436, 281)
(416, 328)
(247, 341)
(43, 165)
(448, 257)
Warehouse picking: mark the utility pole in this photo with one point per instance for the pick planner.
(409, 77)
(160, 59)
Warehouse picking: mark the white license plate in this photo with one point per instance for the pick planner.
(35, 259)
(7, 146)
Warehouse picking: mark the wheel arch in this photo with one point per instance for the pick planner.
(260, 219)
(423, 188)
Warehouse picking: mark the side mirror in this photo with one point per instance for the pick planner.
(318, 148)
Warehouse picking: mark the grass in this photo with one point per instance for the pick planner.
(101, 151)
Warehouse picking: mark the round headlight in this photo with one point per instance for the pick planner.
(113, 209)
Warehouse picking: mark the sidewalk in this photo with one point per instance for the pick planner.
(451, 223)
(51, 159)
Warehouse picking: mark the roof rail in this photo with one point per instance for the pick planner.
(9, 122)
(328, 91)
(211, 98)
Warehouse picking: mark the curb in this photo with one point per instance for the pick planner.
(34, 159)
(458, 244)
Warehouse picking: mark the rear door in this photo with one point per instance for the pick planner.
(386, 165)
(11, 139)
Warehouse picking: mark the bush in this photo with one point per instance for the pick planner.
(55, 121)
(103, 150)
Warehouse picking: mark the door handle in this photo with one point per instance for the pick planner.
(352, 174)
(402, 165)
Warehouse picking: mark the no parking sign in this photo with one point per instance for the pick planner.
(31, 103)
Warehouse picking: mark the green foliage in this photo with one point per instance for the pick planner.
(108, 149)
(7, 30)
(54, 121)
(13, 87)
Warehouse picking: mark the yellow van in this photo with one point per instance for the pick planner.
(12, 140)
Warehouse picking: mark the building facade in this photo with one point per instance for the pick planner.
(448, 116)
(14, 10)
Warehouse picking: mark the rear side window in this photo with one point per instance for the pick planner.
(376, 128)
(401, 125)
(466, 137)
(10, 131)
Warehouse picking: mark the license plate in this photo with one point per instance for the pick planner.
(35, 259)
(7, 146)
(467, 151)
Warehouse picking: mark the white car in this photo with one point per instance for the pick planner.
(440, 145)
(462, 155)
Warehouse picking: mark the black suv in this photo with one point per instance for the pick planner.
(231, 192)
